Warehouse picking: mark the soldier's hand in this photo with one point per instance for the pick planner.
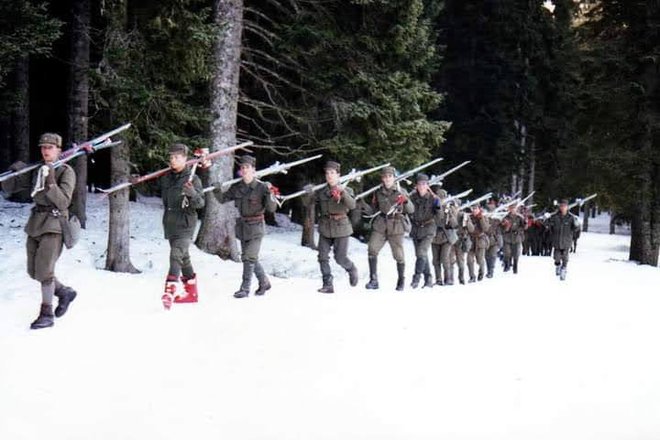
(188, 189)
(401, 199)
(309, 188)
(133, 179)
(50, 176)
(465, 220)
(273, 189)
(547, 215)
(336, 193)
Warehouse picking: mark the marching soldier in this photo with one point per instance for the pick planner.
(253, 199)
(390, 204)
(52, 192)
(495, 240)
(479, 243)
(426, 207)
(462, 246)
(562, 226)
(513, 230)
(182, 196)
(445, 237)
(332, 206)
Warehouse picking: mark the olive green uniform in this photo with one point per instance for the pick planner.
(252, 200)
(561, 229)
(479, 237)
(495, 244)
(422, 232)
(513, 231)
(462, 245)
(388, 224)
(180, 218)
(334, 229)
(443, 242)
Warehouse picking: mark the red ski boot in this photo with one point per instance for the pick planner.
(190, 287)
(171, 285)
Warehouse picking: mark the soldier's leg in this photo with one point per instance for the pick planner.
(324, 246)
(176, 257)
(481, 261)
(507, 256)
(49, 248)
(422, 252)
(445, 259)
(396, 246)
(491, 257)
(436, 259)
(341, 257)
(31, 246)
(471, 257)
(249, 257)
(516, 248)
(460, 263)
(558, 260)
(376, 243)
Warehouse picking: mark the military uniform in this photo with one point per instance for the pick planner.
(561, 229)
(480, 242)
(388, 207)
(495, 244)
(422, 232)
(252, 200)
(513, 229)
(446, 221)
(334, 228)
(53, 190)
(462, 245)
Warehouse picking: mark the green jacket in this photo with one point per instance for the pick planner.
(333, 215)
(180, 218)
(424, 216)
(513, 228)
(384, 202)
(562, 228)
(447, 225)
(480, 233)
(252, 201)
(57, 197)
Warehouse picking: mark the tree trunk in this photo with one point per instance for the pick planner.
(532, 172)
(21, 111)
(119, 235)
(5, 141)
(78, 100)
(216, 235)
(309, 214)
(612, 222)
(645, 224)
(585, 218)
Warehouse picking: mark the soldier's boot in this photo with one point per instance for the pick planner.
(562, 274)
(45, 318)
(437, 268)
(244, 290)
(449, 277)
(373, 274)
(490, 263)
(428, 280)
(264, 282)
(507, 265)
(353, 276)
(480, 276)
(461, 276)
(170, 291)
(419, 269)
(327, 285)
(557, 269)
(515, 265)
(189, 294)
(65, 295)
(401, 271)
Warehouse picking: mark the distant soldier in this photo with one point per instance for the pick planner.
(253, 199)
(495, 240)
(52, 189)
(462, 246)
(446, 222)
(479, 238)
(513, 230)
(423, 228)
(389, 204)
(332, 206)
(562, 226)
(182, 196)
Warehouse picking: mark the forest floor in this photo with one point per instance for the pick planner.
(517, 357)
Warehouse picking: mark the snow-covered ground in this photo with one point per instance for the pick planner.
(517, 357)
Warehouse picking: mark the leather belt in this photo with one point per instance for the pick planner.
(253, 218)
(337, 216)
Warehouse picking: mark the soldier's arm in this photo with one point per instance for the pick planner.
(408, 207)
(485, 224)
(269, 200)
(197, 201)
(223, 196)
(60, 194)
(347, 198)
(469, 225)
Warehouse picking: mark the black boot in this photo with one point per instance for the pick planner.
(401, 270)
(428, 280)
(373, 274)
(438, 274)
(248, 270)
(352, 276)
(490, 263)
(327, 285)
(461, 276)
(515, 266)
(65, 296)
(557, 269)
(480, 276)
(419, 269)
(264, 282)
(415, 280)
(45, 318)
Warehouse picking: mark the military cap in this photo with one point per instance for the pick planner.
(421, 177)
(492, 200)
(332, 165)
(441, 193)
(51, 138)
(388, 170)
(179, 149)
(563, 202)
(247, 160)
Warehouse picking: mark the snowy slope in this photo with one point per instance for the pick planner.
(517, 357)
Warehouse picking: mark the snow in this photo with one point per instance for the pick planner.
(517, 357)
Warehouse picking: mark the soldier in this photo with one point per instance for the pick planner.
(513, 230)
(462, 246)
(495, 240)
(446, 223)
(332, 206)
(182, 196)
(390, 204)
(426, 206)
(253, 199)
(479, 243)
(53, 189)
(562, 226)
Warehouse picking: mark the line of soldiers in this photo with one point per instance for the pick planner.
(435, 223)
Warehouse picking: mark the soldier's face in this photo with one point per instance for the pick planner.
(388, 180)
(563, 209)
(422, 188)
(50, 152)
(331, 176)
(491, 206)
(177, 162)
(247, 172)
